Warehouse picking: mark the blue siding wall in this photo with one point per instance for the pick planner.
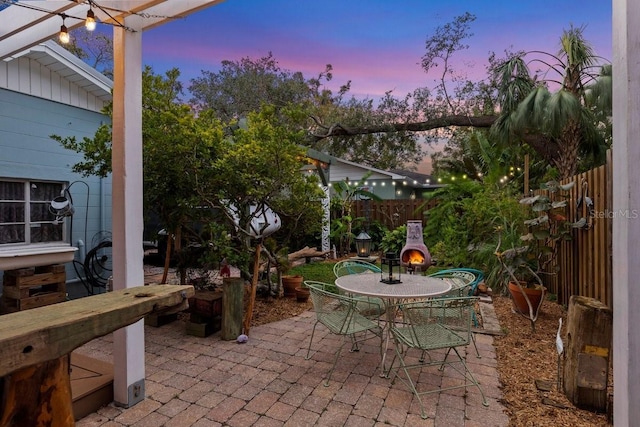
(28, 152)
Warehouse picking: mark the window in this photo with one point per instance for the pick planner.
(25, 217)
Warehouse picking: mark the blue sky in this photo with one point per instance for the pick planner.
(377, 44)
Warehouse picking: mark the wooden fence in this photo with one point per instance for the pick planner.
(584, 264)
(393, 213)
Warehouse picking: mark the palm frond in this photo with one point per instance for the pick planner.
(562, 107)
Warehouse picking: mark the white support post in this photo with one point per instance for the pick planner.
(326, 218)
(626, 208)
(129, 369)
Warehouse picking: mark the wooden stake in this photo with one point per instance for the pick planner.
(254, 286)
(167, 260)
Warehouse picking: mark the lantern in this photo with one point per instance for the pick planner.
(392, 275)
(363, 245)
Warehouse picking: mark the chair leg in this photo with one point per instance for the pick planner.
(408, 380)
(469, 376)
(473, 340)
(354, 344)
(335, 360)
(313, 331)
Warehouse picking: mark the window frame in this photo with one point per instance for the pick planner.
(27, 222)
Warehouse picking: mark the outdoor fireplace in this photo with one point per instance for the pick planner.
(415, 255)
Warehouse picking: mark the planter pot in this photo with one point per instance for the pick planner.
(289, 284)
(519, 301)
(302, 294)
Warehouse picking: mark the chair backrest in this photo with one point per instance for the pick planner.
(469, 279)
(336, 312)
(354, 266)
(439, 322)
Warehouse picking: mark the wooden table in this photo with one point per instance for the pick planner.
(36, 345)
(413, 286)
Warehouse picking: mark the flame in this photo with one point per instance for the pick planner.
(413, 257)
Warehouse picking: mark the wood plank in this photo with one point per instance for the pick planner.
(41, 300)
(46, 333)
(40, 279)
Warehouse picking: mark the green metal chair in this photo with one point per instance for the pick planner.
(340, 315)
(441, 323)
(355, 266)
(464, 283)
(471, 276)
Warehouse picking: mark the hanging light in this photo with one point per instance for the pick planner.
(64, 32)
(90, 22)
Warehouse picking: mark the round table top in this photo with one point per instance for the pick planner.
(412, 286)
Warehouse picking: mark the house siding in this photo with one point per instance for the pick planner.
(27, 152)
(30, 77)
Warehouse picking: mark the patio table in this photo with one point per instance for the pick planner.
(413, 286)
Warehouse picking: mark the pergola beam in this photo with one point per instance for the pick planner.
(24, 27)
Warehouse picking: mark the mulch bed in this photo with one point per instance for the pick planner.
(524, 358)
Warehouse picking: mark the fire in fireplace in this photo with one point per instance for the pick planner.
(415, 255)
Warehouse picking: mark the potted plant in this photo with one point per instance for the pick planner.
(523, 264)
(289, 281)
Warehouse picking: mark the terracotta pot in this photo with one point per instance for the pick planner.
(302, 294)
(535, 297)
(289, 284)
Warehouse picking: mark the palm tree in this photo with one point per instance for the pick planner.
(562, 125)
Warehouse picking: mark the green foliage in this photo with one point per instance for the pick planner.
(194, 171)
(394, 240)
(318, 271)
(545, 226)
(461, 230)
(244, 86)
(344, 195)
(564, 127)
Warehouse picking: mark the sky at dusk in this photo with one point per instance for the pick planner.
(377, 44)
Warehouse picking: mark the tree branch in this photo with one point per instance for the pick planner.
(442, 122)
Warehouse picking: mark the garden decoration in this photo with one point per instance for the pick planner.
(524, 265)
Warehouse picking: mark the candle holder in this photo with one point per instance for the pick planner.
(392, 275)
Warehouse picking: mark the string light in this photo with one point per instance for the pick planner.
(90, 22)
(64, 32)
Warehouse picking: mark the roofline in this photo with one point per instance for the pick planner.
(72, 62)
(371, 168)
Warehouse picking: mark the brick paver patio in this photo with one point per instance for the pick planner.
(193, 381)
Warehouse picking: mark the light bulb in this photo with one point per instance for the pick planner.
(64, 35)
(90, 22)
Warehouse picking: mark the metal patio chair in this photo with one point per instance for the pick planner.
(436, 324)
(464, 283)
(341, 316)
(468, 280)
(355, 266)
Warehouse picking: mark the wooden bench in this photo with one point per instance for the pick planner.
(35, 387)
